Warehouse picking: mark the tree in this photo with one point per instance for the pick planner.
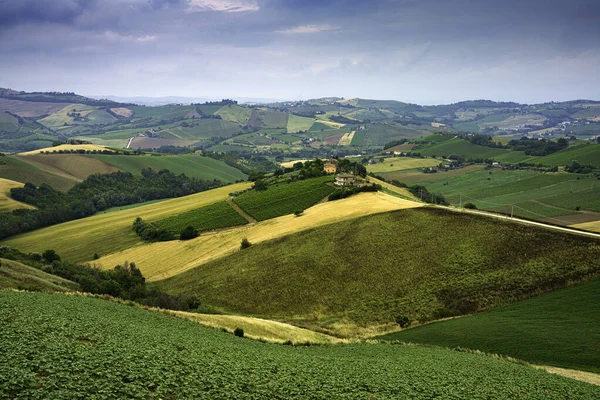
(260, 185)
(50, 255)
(188, 233)
(239, 332)
(245, 244)
(470, 206)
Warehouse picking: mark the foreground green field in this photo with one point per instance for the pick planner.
(78, 240)
(560, 329)
(73, 347)
(357, 276)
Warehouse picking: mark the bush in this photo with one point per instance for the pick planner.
(245, 244)
(188, 233)
(403, 321)
(50, 255)
(239, 332)
(298, 213)
(471, 206)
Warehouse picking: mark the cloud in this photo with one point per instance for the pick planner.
(222, 5)
(14, 12)
(117, 37)
(308, 29)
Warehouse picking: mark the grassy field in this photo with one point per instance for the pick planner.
(461, 148)
(585, 154)
(6, 202)
(210, 217)
(64, 147)
(161, 112)
(392, 164)
(8, 123)
(78, 240)
(560, 329)
(59, 118)
(16, 169)
(296, 123)
(355, 277)
(105, 349)
(14, 275)
(234, 113)
(166, 259)
(284, 198)
(192, 165)
(76, 167)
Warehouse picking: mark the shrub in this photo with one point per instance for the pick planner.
(239, 332)
(471, 206)
(245, 244)
(403, 321)
(188, 233)
(298, 213)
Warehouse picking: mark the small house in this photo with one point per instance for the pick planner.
(330, 167)
(345, 180)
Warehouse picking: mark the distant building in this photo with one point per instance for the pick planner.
(330, 167)
(345, 180)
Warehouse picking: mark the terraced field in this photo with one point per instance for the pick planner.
(125, 352)
(78, 240)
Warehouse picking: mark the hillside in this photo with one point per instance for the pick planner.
(359, 275)
(14, 275)
(561, 328)
(123, 352)
(6, 202)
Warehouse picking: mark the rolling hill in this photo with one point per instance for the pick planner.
(6, 202)
(122, 352)
(14, 275)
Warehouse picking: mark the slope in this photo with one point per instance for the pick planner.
(108, 350)
(358, 276)
(14, 275)
(6, 202)
(560, 329)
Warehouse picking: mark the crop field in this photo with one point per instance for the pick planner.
(108, 350)
(8, 123)
(161, 112)
(297, 123)
(30, 109)
(412, 176)
(285, 198)
(78, 240)
(460, 147)
(70, 166)
(59, 118)
(584, 154)
(64, 147)
(18, 170)
(205, 128)
(346, 139)
(593, 226)
(273, 119)
(210, 217)
(148, 143)
(355, 277)
(226, 147)
(166, 259)
(14, 275)
(122, 111)
(392, 164)
(100, 117)
(561, 329)
(6, 202)
(192, 165)
(234, 113)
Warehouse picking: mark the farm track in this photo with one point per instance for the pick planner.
(239, 210)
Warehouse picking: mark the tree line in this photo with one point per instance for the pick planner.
(97, 193)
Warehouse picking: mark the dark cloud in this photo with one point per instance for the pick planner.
(13, 12)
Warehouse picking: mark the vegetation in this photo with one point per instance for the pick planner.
(150, 232)
(96, 193)
(126, 352)
(214, 216)
(366, 271)
(284, 198)
(15, 275)
(560, 329)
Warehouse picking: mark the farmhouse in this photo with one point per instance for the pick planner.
(330, 167)
(349, 180)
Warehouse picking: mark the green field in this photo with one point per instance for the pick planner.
(421, 263)
(8, 123)
(14, 275)
(192, 165)
(392, 164)
(18, 170)
(461, 148)
(585, 154)
(161, 112)
(205, 128)
(214, 216)
(297, 123)
(560, 329)
(77, 347)
(284, 198)
(234, 113)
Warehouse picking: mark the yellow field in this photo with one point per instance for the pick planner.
(330, 123)
(78, 240)
(257, 328)
(123, 112)
(70, 166)
(290, 164)
(66, 147)
(593, 226)
(398, 190)
(346, 139)
(59, 118)
(165, 259)
(6, 203)
(402, 163)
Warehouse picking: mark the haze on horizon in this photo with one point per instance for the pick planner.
(426, 52)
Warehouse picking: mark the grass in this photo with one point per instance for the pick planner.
(584, 154)
(85, 347)
(78, 240)
(234, 113)
(284, 198)
(162, 260)
(461, 148)
(71, 166)
(16, 169)
(8, 123)
(401, 163)
(192, 165)
(560, 329)
(358, 275)
(210, 217)
(14, 275)
(161, 112)
(60, 118)
(297, 123)
(206, 128)
(6, 202)
(64, 147)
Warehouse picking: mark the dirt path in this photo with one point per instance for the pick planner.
(583, 376)
(129, 143)
(240, 211)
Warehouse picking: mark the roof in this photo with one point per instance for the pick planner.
(345, 176)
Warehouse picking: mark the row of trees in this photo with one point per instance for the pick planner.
(96, 193)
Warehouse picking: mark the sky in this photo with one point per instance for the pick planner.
(417, 51)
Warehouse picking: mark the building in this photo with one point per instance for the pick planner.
(345, 180)
(330, 167)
